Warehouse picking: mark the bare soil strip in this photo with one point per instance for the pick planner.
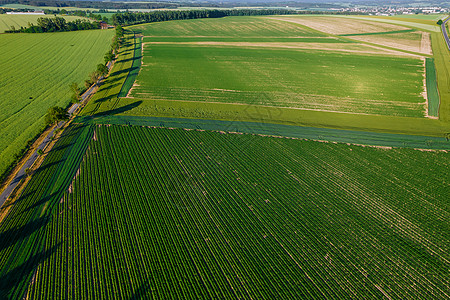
(421, 45)
(335, 25)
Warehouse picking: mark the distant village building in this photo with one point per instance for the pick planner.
(37, 12)
(103, 25)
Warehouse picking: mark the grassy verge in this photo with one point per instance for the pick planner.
(432, 91)
(135, 67)
(108, 92)
(275, 115)
(442, 63)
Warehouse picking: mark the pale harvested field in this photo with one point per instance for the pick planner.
(336, 47)
(411, 41)
(334, 25)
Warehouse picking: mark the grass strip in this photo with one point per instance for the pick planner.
(303, 132)
(432, 91)
(135, 67)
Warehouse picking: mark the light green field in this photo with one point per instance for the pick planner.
(240, 60)
(433, 17)
(6, 21)
(237, 27)
(336, 83)
(273, 76)
(37, 70)
(421, 24)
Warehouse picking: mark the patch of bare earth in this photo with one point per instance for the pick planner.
(420, 45)
(337, 25)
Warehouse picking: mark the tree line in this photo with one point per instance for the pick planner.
(128, 18)
(56, 24)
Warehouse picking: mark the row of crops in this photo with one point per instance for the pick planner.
(432, 88)
(22, 232)
(173, 213)
(106, 98)
(135, 67)
(302, 132)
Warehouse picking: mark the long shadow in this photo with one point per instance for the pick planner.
(130, 59)
(118, 110)
(141, 292)
(13, 284)
(16, 235)
(61, 147)
(40, 202)
(5, 205)
(109, 86)
(46, 166)
(123, 71)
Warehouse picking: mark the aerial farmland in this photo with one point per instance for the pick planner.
(245, 157)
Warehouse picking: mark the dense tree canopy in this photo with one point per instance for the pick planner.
(128, 18)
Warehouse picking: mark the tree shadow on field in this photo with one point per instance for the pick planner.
(131, 59)
(142, 292)
(15, 281)
(41, 201)
(16, 235)
(123, 71)
(118, 110)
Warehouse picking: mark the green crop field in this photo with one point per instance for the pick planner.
(137, 200)
(271, 75)
(6, 21)
(157, 212)
(269, 62)
(37, 70)
(282, 72)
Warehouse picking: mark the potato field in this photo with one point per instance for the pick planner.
(157, 212)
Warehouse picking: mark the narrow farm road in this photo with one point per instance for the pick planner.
(21, 174)
(444, 32)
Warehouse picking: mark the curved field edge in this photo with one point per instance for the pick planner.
(219, 203)
(278, 115)
(300, 132)
(37, 70)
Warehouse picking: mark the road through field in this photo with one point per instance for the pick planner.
(21, 174)
(12, 186)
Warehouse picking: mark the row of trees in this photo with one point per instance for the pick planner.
(128, 18)
(101, 70)
(56, 24)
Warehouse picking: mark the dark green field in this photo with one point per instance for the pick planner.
(155, 212)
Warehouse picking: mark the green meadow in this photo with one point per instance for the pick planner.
(285, 77)
(262, 69)
(37, 70)
(268, 62)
